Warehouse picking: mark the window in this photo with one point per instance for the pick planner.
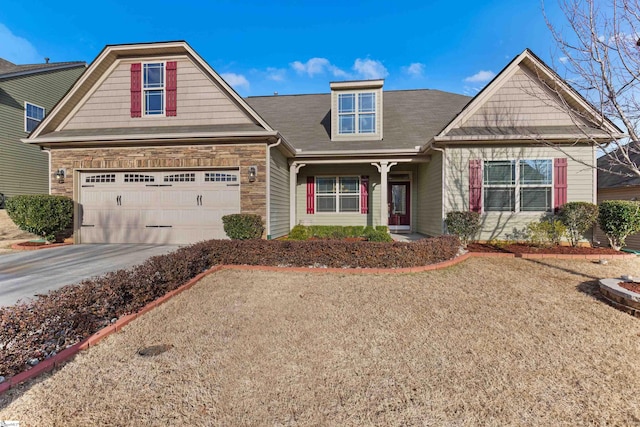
(135, 177)
(110, 177)
(517, 186)
(180, 177)
(33, 115)
(356, 113)
(338, 194)
(153, 87)
(219, 177)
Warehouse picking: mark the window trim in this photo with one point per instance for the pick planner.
(356, 113)
(337, 194)
(44, 113)
(517, 186)
(144, 89)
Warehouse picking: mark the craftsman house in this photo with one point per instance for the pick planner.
(27, 95)
(156, 147)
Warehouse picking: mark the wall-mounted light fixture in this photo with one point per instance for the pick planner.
(253, 173)
(60, 175)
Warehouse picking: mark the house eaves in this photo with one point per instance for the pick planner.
(53, 67)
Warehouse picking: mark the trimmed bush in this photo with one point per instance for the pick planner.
(377, 234)
(41, 214)
(578, 217)
(299, 232)
(464, 224)
(546, 232)
(618, 219)
(337, 232)
(243, 226)
(45, 326)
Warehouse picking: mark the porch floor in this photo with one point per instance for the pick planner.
(408, 237)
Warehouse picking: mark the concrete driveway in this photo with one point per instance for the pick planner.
(24, 275)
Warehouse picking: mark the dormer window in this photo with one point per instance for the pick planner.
(356, 113)
(356, 110)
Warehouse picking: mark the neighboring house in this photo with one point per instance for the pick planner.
(27, 95)
(156, 147)
(617, 186)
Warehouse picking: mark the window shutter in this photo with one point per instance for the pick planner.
(364, 194)
(560, 183)
(475, 185)
(311, 184)
(136, 90)
(172, 85)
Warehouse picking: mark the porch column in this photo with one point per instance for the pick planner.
(293, 184)
(384, 168)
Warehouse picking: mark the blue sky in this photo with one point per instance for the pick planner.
(261, 47)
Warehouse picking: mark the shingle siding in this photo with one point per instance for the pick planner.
(23, 167)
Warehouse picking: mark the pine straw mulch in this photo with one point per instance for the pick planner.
(486, 342)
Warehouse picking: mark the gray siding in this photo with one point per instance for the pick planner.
(429, 196)
(623, 193)
(24, 168)
(502, 225)
(279, 195)
(199, 102)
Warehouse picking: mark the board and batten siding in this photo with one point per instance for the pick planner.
(622, 193)
(429, 196)
(24, 168)
(279, 195)
(371, 218)
(522, 101)
(199, 102)
(504, 225)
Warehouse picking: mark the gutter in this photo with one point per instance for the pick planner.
(358, 153)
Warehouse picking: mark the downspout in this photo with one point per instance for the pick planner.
(49, 173)
(268, 185)
(444, 186)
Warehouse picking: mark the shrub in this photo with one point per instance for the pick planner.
(299, 232)
(546, 232)
(578, 217)
(463, 224)
(618, 219)
(243, 226)
(377, 235)
(41, 214)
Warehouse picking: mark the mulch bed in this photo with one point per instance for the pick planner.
(520, 248)
(631, 286)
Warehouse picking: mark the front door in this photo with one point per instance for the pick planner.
(399, 206)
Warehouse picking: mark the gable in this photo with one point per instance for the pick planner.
(199, 101)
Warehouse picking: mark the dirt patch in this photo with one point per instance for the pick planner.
(487, 342)
(518, 248)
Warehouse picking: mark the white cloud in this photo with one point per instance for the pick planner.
(370, 69)
(416, 69)
(17, 49)
(315, 66)
(480, 76)
(276, 74)
(237, 81)
(564, 59)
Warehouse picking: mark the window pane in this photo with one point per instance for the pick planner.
(367, 102)
(325, 185)
(326, 203)
(31, 124)
(349, 185)
(154, 102)
(367, 123)
(535, 172)
(536, 199)
(347, 123)
(399, 199)
(499, 199)
(501, 172)
(349, 203)
(346, 103)
(153, 75)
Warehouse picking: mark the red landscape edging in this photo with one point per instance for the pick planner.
(70, 352)
(19, 246)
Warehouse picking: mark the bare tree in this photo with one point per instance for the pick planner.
(599, 44)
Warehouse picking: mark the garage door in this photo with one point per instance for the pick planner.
(169, 207)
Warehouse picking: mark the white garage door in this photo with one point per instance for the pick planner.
(169, 207)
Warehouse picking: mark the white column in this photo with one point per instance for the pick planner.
(384, 168)
(293, 185)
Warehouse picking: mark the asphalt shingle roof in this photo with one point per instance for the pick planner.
(619, 176)
(9, 68)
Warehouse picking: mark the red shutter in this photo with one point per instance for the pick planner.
(172, 85)
(560, 184)
(364, 194)
(311, 187)
(475, 185)
(136, 90)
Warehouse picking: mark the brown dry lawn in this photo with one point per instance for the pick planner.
(487, 342)
(10, 233)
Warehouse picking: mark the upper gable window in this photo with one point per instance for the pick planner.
(154, 88)
(356, 113)
(33, 115)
